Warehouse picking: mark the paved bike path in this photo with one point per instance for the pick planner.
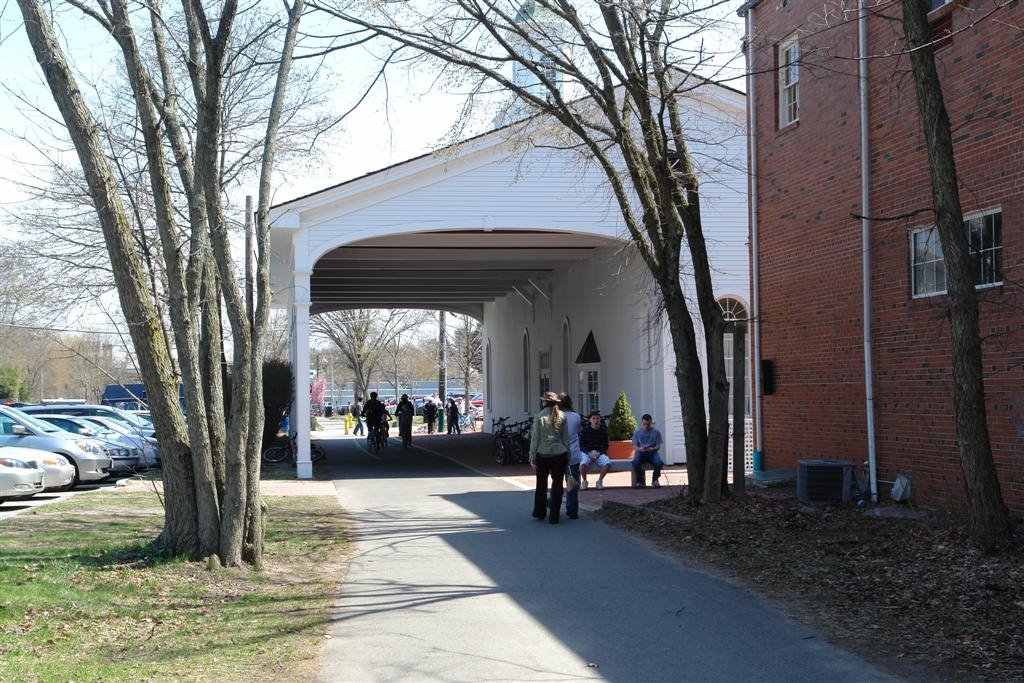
(453, 580)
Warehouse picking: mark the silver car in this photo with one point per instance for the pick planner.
(58, 472)
(134, 422)
(19, 429)
(19, 479)
(114, 444)
(147, 446)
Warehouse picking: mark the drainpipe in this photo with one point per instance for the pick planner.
(755, 304)
(865, 223)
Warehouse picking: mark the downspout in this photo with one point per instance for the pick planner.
(755, 322)
(865, 223)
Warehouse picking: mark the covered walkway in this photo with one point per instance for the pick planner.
(452, 579)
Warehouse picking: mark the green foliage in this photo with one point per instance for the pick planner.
(277, 396)
(622, 424)
(12, 383)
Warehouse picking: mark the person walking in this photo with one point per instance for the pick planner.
(453, 417)
(430, 414)
(357, 412)
(573, 423)
(549, 456)
(405, 411)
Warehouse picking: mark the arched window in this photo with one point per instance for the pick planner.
(733, 311)
(487, 375)
(526, 371)
(566, 356)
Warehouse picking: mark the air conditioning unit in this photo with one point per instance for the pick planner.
(824, 481)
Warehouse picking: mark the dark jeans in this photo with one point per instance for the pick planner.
(453, 426)
(358, 429)
(430, 425)
(550, 466)
(638, 465)
(572, 498)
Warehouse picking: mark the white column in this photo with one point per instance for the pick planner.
(304, 466)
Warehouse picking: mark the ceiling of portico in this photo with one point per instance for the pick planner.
(456, 270)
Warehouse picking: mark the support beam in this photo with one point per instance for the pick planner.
(304, 465)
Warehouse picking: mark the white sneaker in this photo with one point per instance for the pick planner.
(600, 485)
(583, 485)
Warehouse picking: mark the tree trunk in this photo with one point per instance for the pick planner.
(181, 525)
(689, 384)
(989, 521)
(212, 371)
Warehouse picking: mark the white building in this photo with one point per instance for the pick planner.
(528, 240)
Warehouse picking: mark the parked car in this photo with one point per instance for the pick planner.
(145, 444)
(25, 431)
(19, 479)
(58, 472)
(115, 445)
(89, 410)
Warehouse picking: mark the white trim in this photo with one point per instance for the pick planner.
(991, 211)
(792, 40)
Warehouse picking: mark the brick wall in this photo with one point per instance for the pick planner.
(810, 246)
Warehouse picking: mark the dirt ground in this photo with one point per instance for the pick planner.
(908, 593)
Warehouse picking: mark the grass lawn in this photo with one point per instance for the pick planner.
(83, 599)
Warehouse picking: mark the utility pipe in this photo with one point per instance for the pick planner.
(755, 321)
(865, 223)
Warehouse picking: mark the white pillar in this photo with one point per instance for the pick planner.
(304, 466)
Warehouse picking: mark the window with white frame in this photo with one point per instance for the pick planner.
(544, 366)
(985, 238)
(588, 389)
(789, 82)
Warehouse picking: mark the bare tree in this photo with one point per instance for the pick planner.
(989, 521)
(203, 516)
(365, 337)
(465, 350)
(632, 64)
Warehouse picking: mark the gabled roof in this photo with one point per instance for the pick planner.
(475, 138)
(589, 353)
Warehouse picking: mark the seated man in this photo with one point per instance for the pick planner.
(594, 446)
(646, 444)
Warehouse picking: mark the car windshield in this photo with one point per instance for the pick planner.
(111, 425)
(34, 422)
(125, 416)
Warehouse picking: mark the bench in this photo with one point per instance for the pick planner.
(617, 465)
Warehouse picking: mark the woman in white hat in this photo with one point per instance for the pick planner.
(549, 456)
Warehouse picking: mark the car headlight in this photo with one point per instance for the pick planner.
(88, 447)
(55, 461)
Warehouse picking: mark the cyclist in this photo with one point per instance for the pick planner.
(374, 413)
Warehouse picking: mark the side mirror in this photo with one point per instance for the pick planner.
(20, 430)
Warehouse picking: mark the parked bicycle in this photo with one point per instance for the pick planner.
(281, 452)
(504, 452)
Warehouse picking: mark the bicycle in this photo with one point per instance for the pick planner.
(521, 440)
(278, 454)
(377, 439)
(467, 422)
(504, 453)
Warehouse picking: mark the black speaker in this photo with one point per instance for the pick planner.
(767, 377)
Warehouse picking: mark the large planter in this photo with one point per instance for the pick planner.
(620, 450)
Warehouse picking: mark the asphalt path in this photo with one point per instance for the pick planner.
(453, 580)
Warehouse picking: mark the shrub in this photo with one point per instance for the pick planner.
(277, 396)
(622, 424)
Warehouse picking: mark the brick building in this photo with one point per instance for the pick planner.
(807, 246)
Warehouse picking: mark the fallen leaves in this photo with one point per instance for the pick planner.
(906, 589)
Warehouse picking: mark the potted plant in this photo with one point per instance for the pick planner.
(621, 426)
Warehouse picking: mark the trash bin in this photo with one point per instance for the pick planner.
(328, 411)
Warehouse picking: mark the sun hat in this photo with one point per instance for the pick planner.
(550, 396)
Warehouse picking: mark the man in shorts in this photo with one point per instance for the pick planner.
(594, 446)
